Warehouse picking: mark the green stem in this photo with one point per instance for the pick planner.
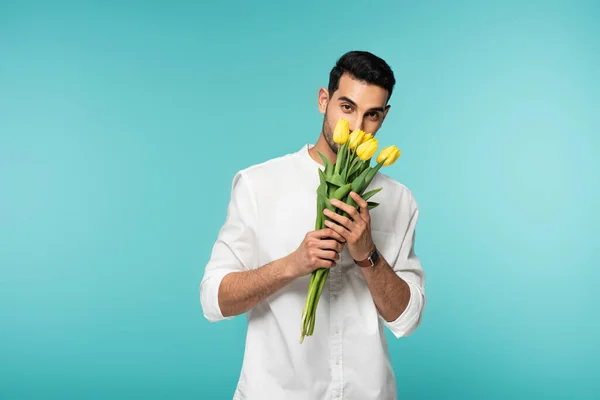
(311, 298)
(348, 155)
(307, 305)
(318, 296)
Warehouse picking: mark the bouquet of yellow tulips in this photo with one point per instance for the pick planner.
(350, 172)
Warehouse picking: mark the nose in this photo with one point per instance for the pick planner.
(358, 124)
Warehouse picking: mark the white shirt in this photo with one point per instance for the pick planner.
(272, 207)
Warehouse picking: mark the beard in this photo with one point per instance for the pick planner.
(328, 135)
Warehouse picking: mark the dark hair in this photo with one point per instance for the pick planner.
(365, 67)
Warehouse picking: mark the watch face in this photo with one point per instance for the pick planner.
(375, 257)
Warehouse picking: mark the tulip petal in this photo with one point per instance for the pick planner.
(341, 132)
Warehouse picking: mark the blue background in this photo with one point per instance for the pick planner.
(122, 126)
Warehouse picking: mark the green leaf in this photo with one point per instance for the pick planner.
(320, 215)
(372, 204)
(330, 190)
(328, 166)
(342, 192)
(370, 194)
(369, 177)
(358, 184)
(354, 167)
(350, 201)
(355, 174)
(342, 195)
(322, 179)
(322, 188)
(336, 179)
(324, 202)
(365, 165)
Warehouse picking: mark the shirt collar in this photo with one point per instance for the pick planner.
(303, 153)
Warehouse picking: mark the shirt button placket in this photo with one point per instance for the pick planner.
(335, 286)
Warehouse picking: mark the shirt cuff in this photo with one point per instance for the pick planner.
(409, 320)
(209, 297)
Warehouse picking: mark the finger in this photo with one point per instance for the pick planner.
(327, 255)
(340, 219)
(345, 207)
(330, 244)
(345, 233)
(327, 233)
(364, 206)
(325, 263)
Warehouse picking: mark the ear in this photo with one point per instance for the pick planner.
(323, 99)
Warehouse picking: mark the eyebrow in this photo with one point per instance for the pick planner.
(344, 98)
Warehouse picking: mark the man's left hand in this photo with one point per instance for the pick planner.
(356, 229)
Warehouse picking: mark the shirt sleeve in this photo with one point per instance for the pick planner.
(235, 248)
(408, 267)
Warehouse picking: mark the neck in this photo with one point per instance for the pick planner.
(322, 147)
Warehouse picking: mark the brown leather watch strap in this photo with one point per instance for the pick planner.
(370, 261)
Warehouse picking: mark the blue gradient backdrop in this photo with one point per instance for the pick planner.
(123, 124)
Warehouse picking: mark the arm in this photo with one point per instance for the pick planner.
(242, 290)
(397, 285)
(391, 293)
(234, 256)
(233, 283)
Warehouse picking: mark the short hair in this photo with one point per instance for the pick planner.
(365, 67)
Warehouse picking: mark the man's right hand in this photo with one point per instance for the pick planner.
(319, 249)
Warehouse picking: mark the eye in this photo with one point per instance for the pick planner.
(346, 107)
(374, 115)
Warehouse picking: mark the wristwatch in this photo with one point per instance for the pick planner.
(369, 261)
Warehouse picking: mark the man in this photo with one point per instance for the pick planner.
(267, 249)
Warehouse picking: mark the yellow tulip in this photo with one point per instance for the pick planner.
(356, 138)
(341, 132)
(367, 137)
(367, 149)
(389, 154)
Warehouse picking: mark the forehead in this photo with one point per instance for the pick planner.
(361, 92)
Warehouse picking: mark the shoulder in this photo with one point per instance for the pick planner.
(396, 189)
(266, 170)
(269, 166)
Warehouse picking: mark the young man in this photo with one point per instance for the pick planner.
(267, 249)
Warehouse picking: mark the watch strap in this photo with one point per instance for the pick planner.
(370, 261)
